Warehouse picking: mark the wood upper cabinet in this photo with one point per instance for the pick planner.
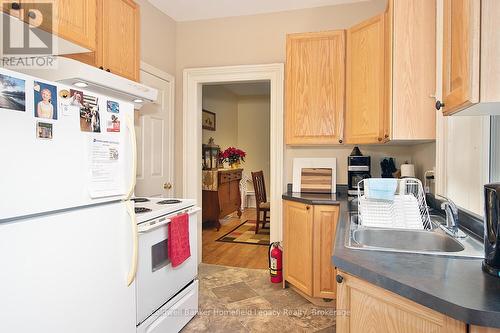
(364, 307)
(117, 48)
(461, 27)
(315, 88)
(73, 20)
(391, 75)
(367, 112)
(120, 38)
(413, 72)
(471, 56)
(309, 232)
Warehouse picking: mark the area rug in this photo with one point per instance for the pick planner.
(245, 234)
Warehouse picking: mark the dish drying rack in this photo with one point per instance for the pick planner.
(407, 210)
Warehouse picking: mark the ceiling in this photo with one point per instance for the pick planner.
(248, 88)
(191, 10)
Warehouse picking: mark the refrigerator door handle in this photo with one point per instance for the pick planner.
(131, 130)
(135, 247)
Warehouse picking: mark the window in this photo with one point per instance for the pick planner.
(465, 157)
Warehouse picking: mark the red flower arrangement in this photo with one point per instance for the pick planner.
(232, 155)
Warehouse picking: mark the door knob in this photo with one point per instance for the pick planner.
(167, 186)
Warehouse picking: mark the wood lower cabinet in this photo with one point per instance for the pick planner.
(298, 245)
(364, 307)
(315, 88)
(481, 329)
(222, 197)
(309, 231)
(325, 225)
(73, 20)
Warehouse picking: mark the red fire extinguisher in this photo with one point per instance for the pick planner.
(275, 262)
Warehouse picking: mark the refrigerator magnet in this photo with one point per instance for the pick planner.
(90, 118)
(45, 101)
(12, 93)
(44, 130)
(113, 124)
(113, 107)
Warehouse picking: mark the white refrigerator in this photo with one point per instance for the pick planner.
(67, 230)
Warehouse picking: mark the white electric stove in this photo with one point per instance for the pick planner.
(150, 208)
(167, 297)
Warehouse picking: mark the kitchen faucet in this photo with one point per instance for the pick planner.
(451, 227)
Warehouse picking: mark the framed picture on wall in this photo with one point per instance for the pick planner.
(208, 120)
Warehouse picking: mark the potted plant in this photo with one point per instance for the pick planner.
(233, 156)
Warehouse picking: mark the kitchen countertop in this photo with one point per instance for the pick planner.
(315, 198)
(456, 287)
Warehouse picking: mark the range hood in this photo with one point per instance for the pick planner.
(75, 73)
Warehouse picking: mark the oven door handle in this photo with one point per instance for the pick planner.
(147, 227)
(135, 243)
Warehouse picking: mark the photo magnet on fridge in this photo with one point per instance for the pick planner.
(44, 130)
(113, 107)
(90, 118)
(45, 101)
(12, 93)
(113, 124)
(66, 103)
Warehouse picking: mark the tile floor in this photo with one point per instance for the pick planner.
(234, 299)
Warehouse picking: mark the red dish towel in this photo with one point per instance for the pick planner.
(178, 239)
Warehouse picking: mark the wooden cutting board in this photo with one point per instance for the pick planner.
(316, 180)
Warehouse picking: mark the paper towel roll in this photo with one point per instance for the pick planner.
(407, 170)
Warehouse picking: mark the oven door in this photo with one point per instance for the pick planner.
(157, 281)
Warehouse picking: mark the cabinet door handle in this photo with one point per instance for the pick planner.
(108, 70)
(15, 6)
(340, 141)
(386, 136)
(379, 139)
(439, 105)
(308, 207)
(339, 278)
(100, 67)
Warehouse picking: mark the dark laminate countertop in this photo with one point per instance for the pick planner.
(315, 198)
(456, 287)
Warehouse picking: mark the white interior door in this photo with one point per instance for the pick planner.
(155, 138)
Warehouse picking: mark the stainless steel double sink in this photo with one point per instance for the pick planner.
(431, 242)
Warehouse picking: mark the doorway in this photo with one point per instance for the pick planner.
(155, 137)
(194, 79)
(236, 120)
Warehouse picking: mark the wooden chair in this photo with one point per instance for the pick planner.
(260, 200)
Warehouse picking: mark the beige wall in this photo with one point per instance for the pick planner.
(421, 155)
(254, 135)
(224, 104)
(158, 38)
(173, 46)
(255, 39)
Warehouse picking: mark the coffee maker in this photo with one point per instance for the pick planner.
(491, 263)
(358, 168)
